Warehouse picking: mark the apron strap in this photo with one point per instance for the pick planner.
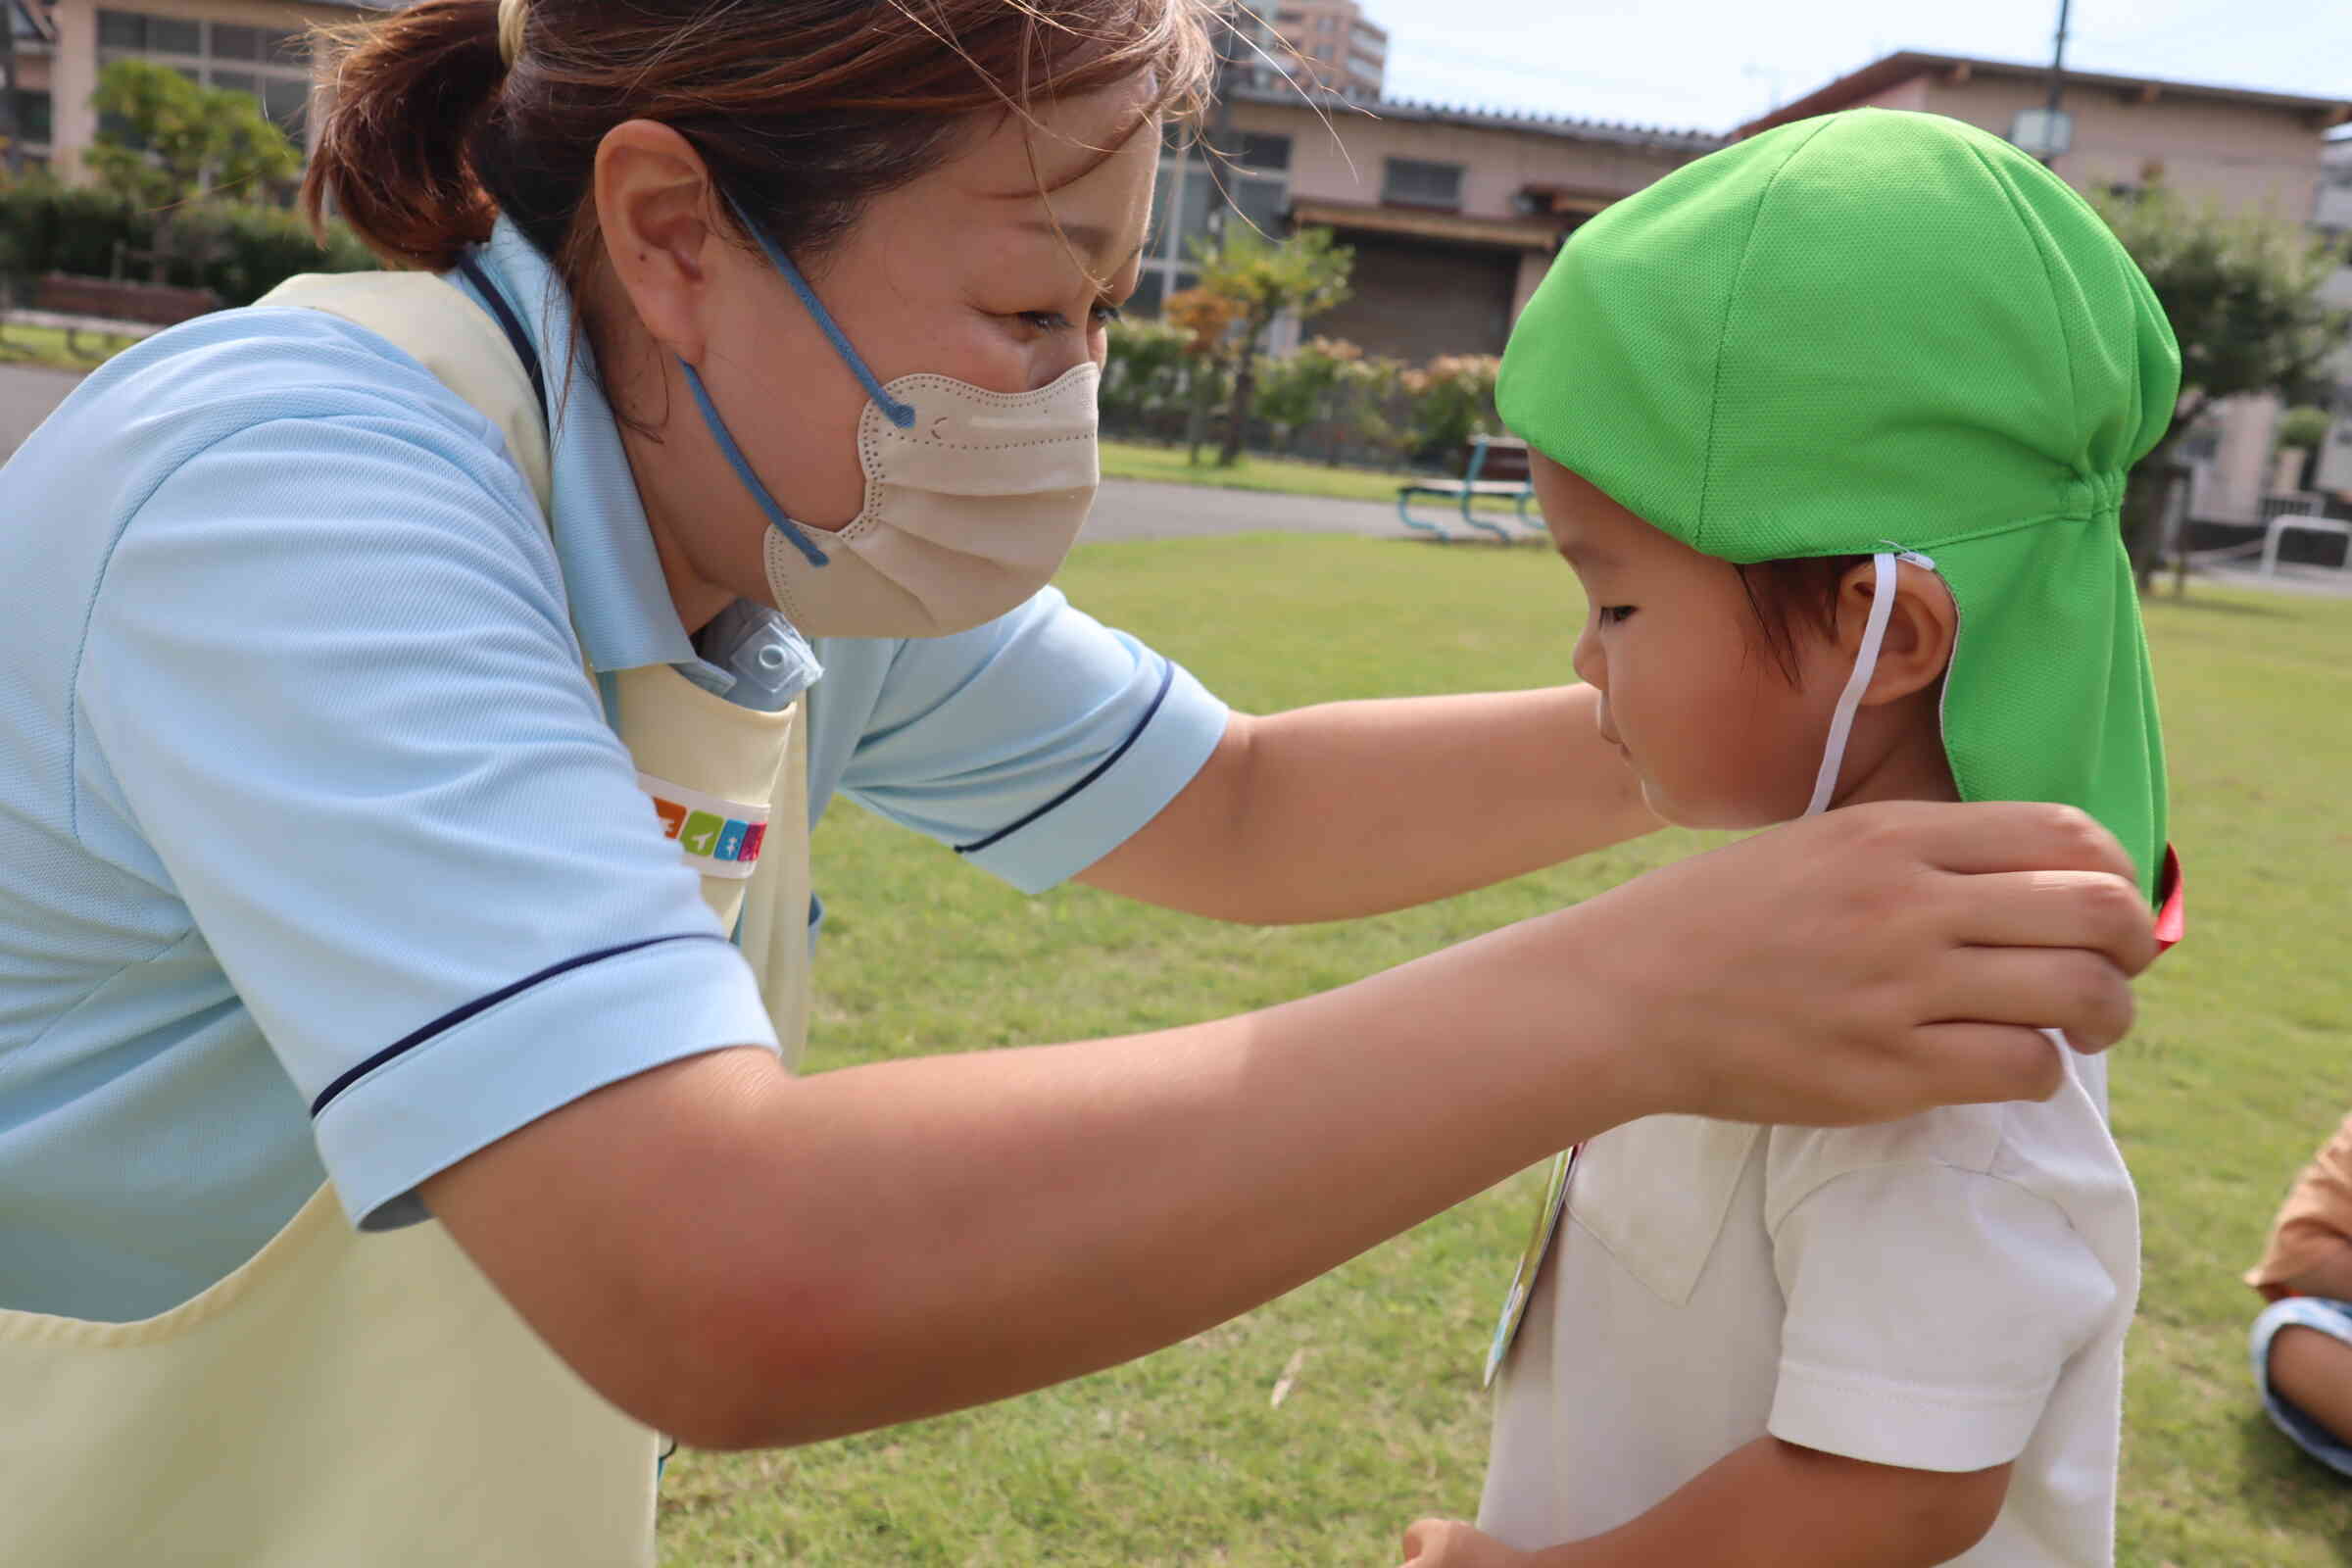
(507, 322)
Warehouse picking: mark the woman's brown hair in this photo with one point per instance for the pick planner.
(804, 110)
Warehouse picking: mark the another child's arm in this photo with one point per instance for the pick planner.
(1770, 1504)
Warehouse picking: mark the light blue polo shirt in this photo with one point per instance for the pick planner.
(318, 858)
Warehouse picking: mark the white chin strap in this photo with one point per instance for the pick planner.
(1866, 662)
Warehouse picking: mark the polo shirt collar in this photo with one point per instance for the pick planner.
(620, 601)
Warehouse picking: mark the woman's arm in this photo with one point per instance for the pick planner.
(1352, 809)
(1769, 1505)
(745, 1258)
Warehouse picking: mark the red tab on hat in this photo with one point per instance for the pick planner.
(2172, 901)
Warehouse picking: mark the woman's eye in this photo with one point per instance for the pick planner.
(1612, 614)
(1101, 313)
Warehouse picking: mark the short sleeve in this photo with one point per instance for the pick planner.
(329, 698)
(2314, 1220)
(1033, 744)
(1930, 1311)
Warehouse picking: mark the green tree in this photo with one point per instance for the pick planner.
(2243, 297)
(1260, 278)
(166, 143)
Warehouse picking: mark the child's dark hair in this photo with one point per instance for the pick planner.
(1788, 594)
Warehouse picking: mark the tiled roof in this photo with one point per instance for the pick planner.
(1568, 127)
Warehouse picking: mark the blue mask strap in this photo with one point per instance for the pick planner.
(743, 472)
(898, 414)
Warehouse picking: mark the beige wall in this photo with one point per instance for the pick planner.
(75, 69)
(1343, 163)
(2246, 157)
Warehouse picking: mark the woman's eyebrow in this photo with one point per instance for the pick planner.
(1090, 239)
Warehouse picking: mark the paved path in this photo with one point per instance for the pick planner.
(27, 392)
(1135, 509)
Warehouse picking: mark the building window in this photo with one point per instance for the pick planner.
(33, 118)
(1409, 183)
(1256, 186)
(271, 66)
(1261, 151)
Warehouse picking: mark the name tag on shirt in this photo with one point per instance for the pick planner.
(717, 837)
(1531, 1261)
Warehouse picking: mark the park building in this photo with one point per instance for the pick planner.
(260, 47)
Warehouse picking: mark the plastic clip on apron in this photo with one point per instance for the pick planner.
(340, 1401)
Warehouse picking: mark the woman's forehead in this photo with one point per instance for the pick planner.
(1061, 145)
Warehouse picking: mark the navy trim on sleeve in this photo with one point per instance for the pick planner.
(1167, 678)
(456, 1016)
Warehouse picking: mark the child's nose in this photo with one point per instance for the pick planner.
(1587, 661)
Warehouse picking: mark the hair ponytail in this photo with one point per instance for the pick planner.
(411, 90)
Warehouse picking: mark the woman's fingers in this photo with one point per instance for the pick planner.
(2102, 914)
(1875, 962)
(1451, 1543)
(1997, 836)
(2038, 987)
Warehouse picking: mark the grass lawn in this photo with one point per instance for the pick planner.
(2237, 1073)
(1139, 460)
(20, 344)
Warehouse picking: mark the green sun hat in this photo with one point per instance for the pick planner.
(1880, 330)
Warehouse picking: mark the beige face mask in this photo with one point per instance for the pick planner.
(966, 513)
(972, 498)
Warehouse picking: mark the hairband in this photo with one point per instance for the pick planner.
(509, 30)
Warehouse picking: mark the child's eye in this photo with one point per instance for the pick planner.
(1612, 614)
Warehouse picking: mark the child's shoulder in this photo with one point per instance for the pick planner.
(2059, 1149)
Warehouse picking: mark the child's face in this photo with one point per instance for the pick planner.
(1718, 733)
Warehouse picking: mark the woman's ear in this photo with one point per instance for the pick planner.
(1920, 631)
(654, 202)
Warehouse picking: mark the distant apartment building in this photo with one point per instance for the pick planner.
(2256, 154)
(1331, 45)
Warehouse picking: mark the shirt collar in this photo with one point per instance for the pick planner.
(620, 601)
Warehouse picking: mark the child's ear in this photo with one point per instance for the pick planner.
(1918, 646)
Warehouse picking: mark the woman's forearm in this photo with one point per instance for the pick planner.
(745, 1259)
(1353, 808)
(890, 1242)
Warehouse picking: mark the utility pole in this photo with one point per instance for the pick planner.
(2058, 71)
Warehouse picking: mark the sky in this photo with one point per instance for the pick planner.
(1711, 64)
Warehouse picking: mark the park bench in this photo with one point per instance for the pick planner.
(147, 304)
(2298, 512)
(1493, 466)
(117, 309)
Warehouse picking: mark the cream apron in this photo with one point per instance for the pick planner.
(343, 1401)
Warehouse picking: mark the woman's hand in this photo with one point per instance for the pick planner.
(1870, 962)
(1451, 1543)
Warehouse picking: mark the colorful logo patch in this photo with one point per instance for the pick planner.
(719, 837)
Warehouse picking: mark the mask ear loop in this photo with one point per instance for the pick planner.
(1849, 701)
(743, 472)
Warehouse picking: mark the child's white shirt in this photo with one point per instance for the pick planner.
(1944, 1292)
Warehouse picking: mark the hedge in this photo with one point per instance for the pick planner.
(240, 252)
